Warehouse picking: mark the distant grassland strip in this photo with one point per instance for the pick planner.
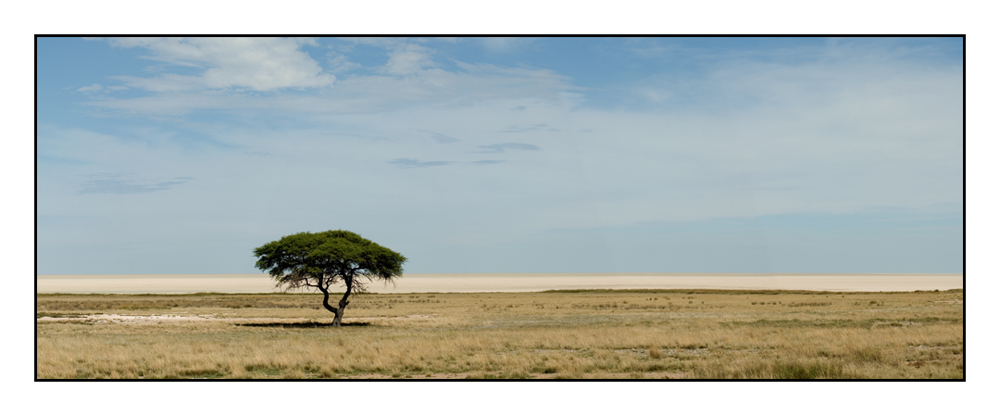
(603, 334)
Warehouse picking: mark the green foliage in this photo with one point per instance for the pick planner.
(325, 258)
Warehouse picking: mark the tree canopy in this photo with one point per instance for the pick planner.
(321, 260)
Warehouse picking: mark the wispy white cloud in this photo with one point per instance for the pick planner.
(504, 44)
(408, 59)
(90, 88)
(372, 93)
(339, 63)
(261, 64)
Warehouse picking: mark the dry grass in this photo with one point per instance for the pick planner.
(694, 334)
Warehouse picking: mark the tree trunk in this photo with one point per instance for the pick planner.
(338, 313)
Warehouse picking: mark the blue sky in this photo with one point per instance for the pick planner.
(808, 155)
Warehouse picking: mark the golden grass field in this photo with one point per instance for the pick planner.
(600, 334)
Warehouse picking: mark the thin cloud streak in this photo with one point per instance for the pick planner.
(501, 147)
(440, 138)
(413, 163)
(523, 129)
(118, 184)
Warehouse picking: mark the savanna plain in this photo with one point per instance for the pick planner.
(586, 334)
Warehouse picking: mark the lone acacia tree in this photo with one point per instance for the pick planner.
(321, 260)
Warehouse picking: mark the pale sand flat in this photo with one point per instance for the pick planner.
(422, 283)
